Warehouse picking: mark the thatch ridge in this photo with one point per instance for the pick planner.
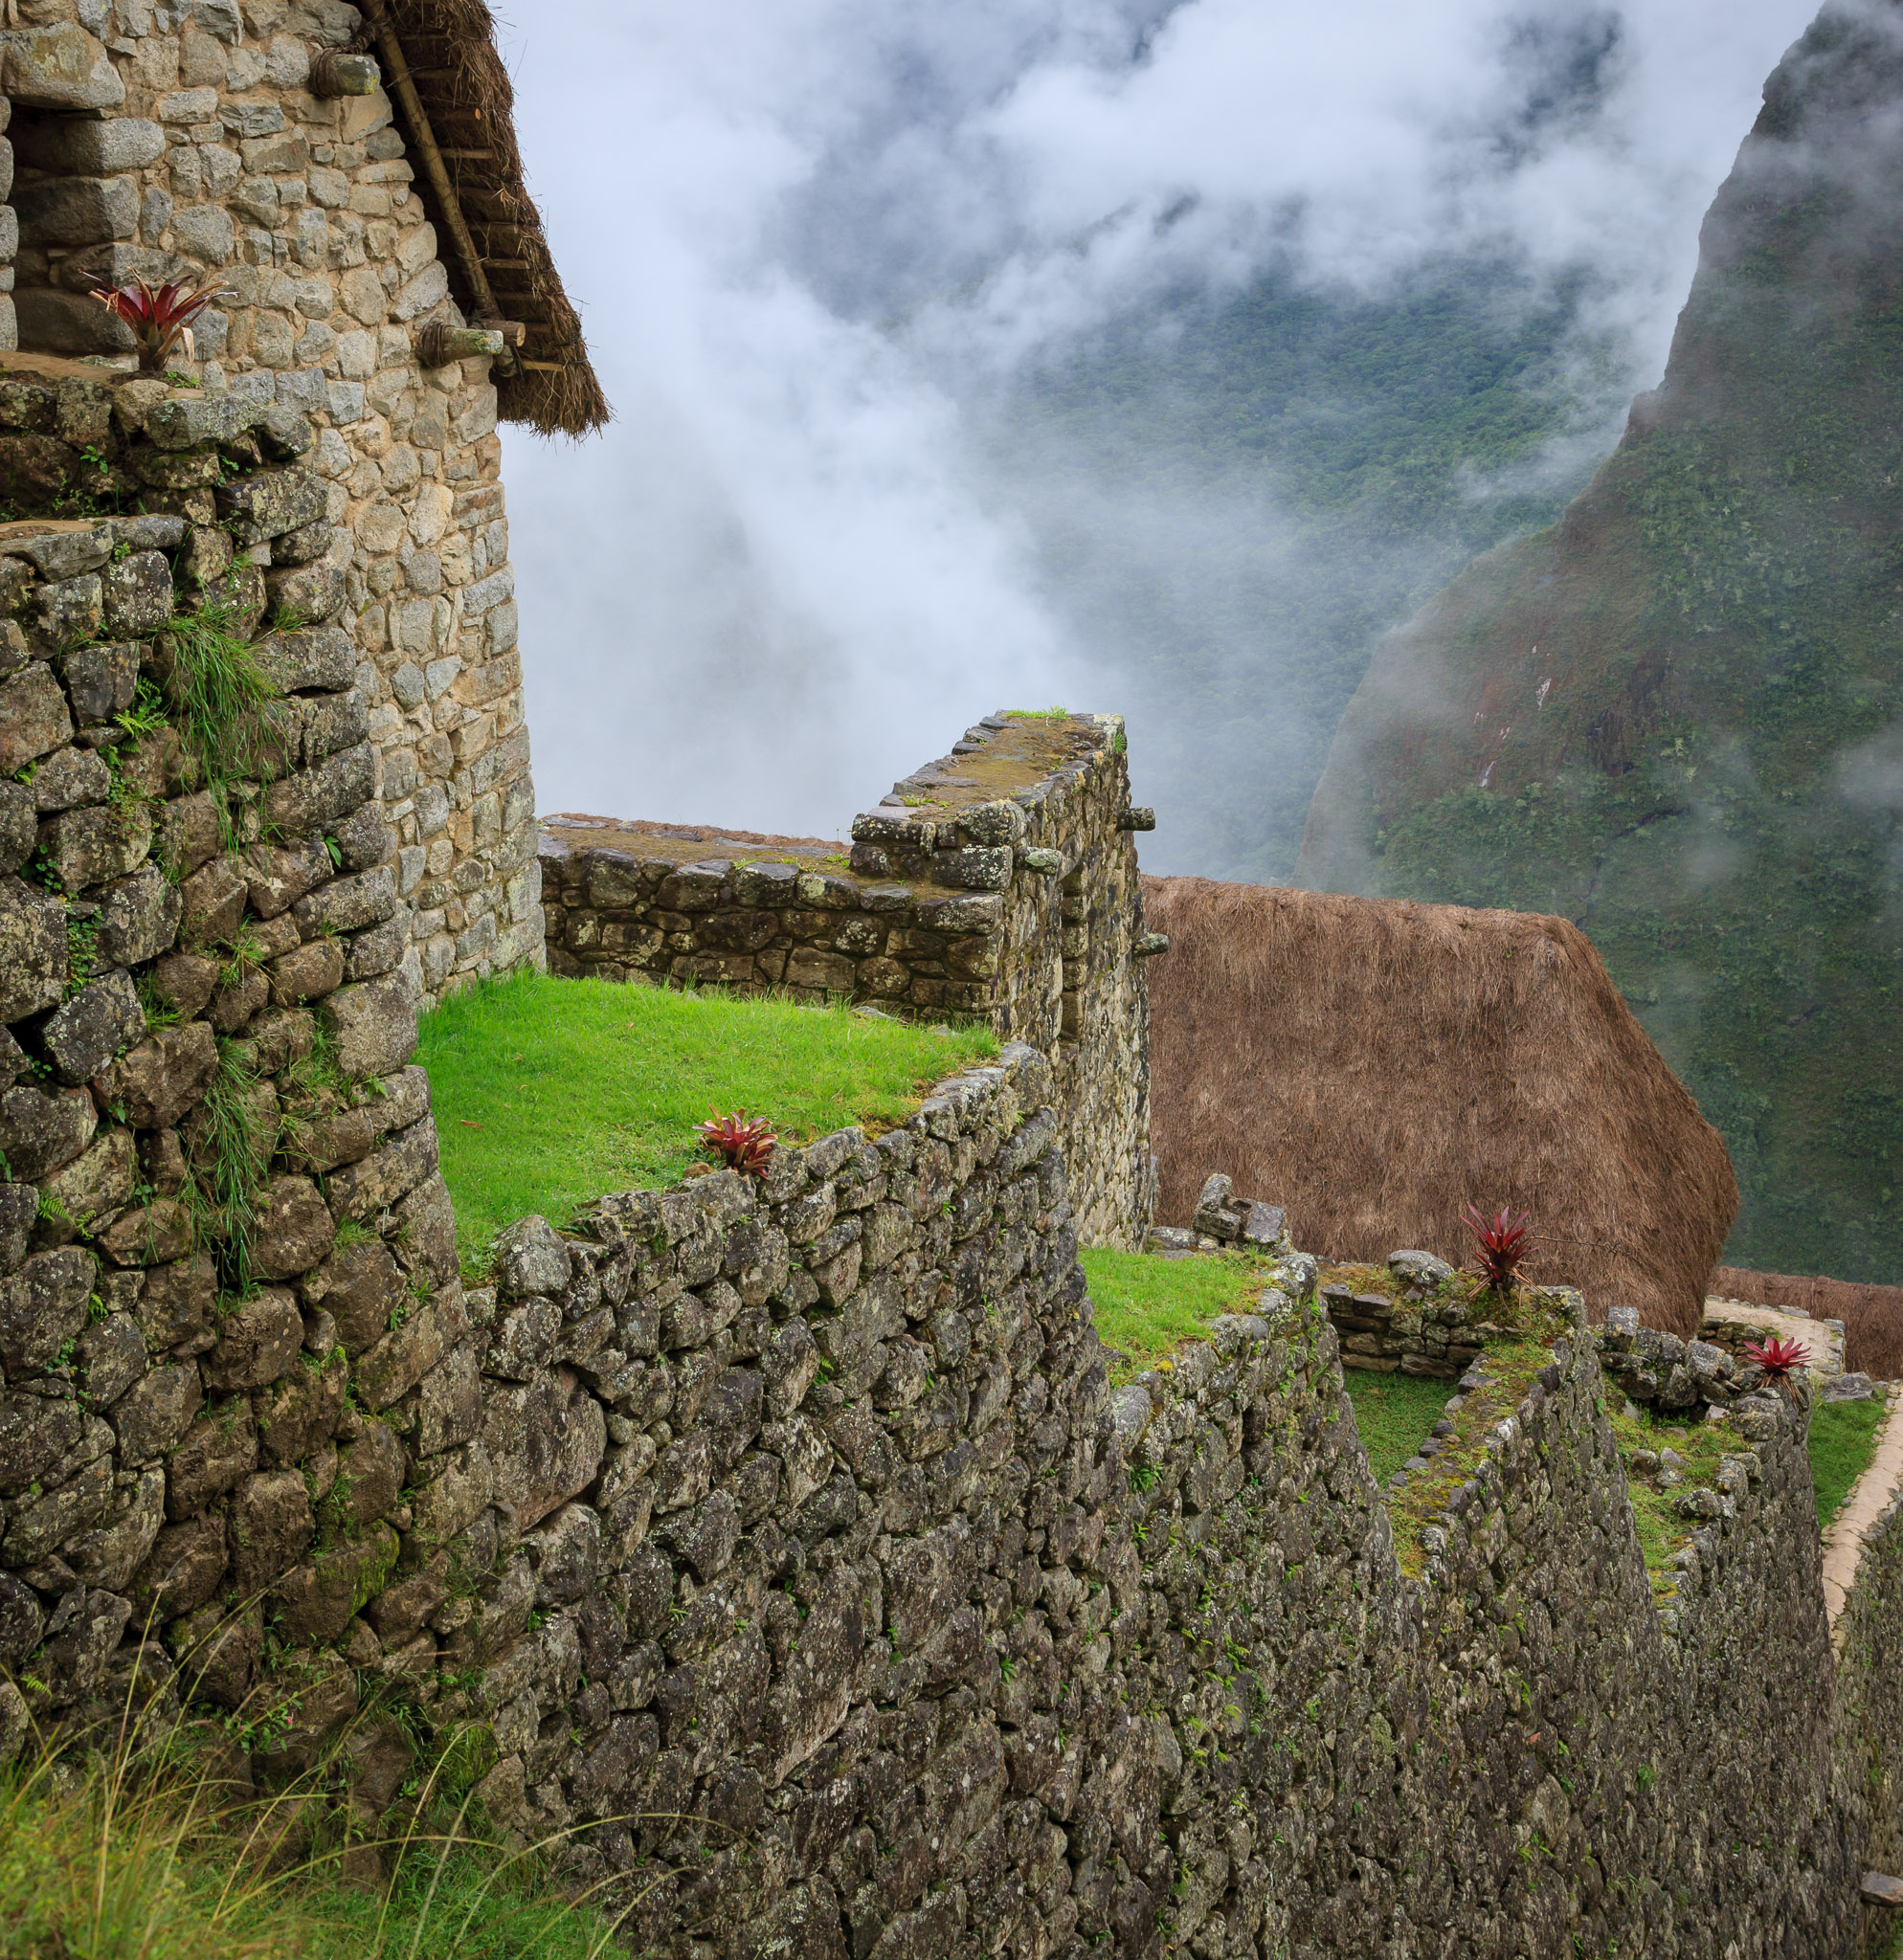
(1374, 1064)
(1872, 1315)
(450, 50)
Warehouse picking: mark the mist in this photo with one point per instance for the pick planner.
(842, 265)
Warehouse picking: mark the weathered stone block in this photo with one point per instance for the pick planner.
(42, 1306)
(154, 1418)
(270, 501)
(257, 1343)
(306, 802)
(34, 717)
(102, 682)
(164, 1076)
(33, 950)
(88, 847)
(138, 919)
(374, 1024)
(138, 593)
(295, 1229)
(213, 900)
(271, 1528)
(85, 1032)
(176, 1303)
(59, 67)
(40, 1131)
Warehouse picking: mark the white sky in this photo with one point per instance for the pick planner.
(807, 236)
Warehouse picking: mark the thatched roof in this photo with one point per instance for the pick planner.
(1373, 1066)
(448, 50)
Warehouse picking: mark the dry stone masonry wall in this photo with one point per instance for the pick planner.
(997, 881)
(792, 1543)
(175, 138)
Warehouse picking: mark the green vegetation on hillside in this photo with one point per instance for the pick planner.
(1843, 1440)
(548, 1093)
(1684, 702)
(1239, 496)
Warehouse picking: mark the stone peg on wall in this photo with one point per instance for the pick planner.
(334, 73)
(1139, 817)
(439, 344)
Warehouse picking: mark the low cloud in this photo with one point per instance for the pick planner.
(816, 243)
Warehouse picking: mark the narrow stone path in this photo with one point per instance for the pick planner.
(1824, 1339)
(1869, 1498)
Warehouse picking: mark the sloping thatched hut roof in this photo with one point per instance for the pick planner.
(1373, 1066)
(492, 240)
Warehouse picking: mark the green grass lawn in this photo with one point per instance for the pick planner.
(1147, 1306)
(1394, 1414)
(1843, 1440)
(549, 1093)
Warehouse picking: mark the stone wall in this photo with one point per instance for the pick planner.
(791, 1542)
(161, 139)
(1000, 880)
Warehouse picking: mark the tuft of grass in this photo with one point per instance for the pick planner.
(1147, 1306)
(1843, 1440)
(143, 1855)
(217, 692)
(552, 1092)
(231, 1160)
(1394, 1414)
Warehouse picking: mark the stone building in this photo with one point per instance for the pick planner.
(351, 178)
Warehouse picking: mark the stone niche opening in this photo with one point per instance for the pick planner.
(80, 207)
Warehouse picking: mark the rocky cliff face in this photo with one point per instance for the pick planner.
(1675, 715)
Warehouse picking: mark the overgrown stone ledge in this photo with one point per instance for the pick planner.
(998, 881)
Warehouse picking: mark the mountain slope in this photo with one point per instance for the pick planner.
(1677, 716)
(1232, 498)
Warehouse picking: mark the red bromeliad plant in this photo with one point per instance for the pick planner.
(744, 1145)
(1779, 1359)
(160, 316)
(1501, 1245)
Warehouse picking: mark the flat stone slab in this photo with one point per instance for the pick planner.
(1881, 1889)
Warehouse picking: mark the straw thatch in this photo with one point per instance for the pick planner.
(1872, 1316)
(449, 50)
(1373, 1066)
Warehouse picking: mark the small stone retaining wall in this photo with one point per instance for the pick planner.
(998, 881)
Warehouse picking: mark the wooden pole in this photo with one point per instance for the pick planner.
(435, 170)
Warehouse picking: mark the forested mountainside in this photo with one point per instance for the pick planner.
(1675, 715)
(1235, 497)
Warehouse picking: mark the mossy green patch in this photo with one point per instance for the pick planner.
(1394, 1414)
(1843, 1440)
(1699, 1445)
(549, 1092)
(1148, 1305)
(1510, 1365)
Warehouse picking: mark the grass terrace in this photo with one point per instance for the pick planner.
(1843, 1440)
(1148, 1305)
(549, 1093)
